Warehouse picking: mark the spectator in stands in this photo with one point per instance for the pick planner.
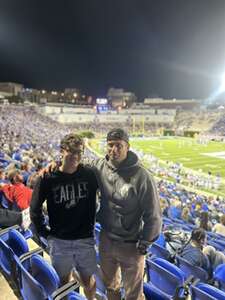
(199, 254)
(220, 227)
(71, 204)
(2, 176)
(129, 214)
(203, 221)
(25, 171)
(186, 215)
(192, 252)
(174, 211)
(16, 192)
(215, 257)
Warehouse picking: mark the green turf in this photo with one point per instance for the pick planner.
(183, 150)
(186, 151)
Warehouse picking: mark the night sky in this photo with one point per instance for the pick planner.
(165, 48)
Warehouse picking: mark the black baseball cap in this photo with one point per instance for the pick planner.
(117, 134)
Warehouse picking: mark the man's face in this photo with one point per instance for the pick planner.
(117, 150)
(71, 157)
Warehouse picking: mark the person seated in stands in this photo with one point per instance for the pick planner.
(2, 176)
(174, 211)
(16, 192)
(220, 227)
(203, 221)
(186, 215)
(25, 171)
(201, 255)
(215, 257)
(193, 251)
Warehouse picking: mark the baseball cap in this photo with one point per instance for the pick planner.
(117, 134)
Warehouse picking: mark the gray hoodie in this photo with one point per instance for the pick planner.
(129, 209)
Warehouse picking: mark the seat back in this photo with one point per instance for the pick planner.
(189, 269)
(44, 274)
(161, 240)
(206, 292)
(219, 276)
(216, 245)
(17, 242)
(159, 251)
(6, 258)
(164, 278)
(30, 288)
(12, 244)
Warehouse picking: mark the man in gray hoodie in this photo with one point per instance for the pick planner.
(129, 214)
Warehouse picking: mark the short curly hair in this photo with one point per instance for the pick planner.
(71, 141)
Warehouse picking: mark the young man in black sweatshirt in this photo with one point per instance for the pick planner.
(70, 193)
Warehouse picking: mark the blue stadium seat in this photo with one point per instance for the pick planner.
(12, 245)
(206, 292)
(219, 276)
(163, 278)
(159, 251)
(189, 269)
(161, 240)
(216, 245)
(40, 281)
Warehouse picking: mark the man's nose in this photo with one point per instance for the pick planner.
(114, 148)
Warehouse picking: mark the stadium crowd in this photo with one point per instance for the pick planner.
(29, 141)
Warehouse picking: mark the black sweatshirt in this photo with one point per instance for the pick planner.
(71, 204)
(10, 218)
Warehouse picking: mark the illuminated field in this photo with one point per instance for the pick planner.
(210, 157)
(192, 155)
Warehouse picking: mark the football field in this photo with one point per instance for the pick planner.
(209, 157)
(191, 154)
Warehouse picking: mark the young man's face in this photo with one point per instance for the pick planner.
(71, 157)
(117, 150)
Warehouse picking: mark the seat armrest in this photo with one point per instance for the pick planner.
(65, 290)
(27, 255)
(5, 230)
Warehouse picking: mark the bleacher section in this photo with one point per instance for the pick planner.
(166, 273)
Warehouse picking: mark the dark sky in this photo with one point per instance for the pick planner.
(167, 48)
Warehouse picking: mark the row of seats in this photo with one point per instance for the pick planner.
(33, 276)
(25, 267)
(167, 281)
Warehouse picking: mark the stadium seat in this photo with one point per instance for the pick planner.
(206, 292)
(40, 281)
(25, 233)
(216, 245)
(189, 269)
(12, 244)
(163, 278)
(219, 276)
(159, 251)
(161, 240)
